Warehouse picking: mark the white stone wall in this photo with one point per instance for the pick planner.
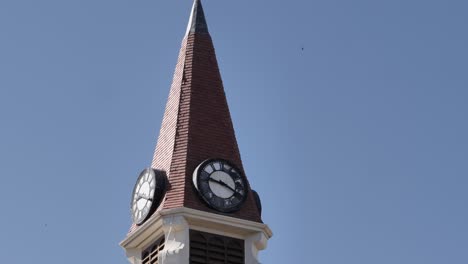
(175, 224)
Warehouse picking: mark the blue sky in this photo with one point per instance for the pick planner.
(351, 118)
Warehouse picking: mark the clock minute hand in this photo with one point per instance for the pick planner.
(220, 182)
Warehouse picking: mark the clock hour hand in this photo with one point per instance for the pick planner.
(220, 182)
(144, 197)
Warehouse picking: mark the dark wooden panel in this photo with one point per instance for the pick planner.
(206, 248)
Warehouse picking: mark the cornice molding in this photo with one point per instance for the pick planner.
(196, 220)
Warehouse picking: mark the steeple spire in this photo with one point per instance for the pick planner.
(197, 22)
(206, 196)
(197, 124)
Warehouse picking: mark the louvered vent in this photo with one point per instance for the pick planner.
(150, 255)
(208, 248)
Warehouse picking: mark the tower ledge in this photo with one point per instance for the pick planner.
(175, 225)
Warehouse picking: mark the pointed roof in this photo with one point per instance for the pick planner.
(196, 124)
(197, 22)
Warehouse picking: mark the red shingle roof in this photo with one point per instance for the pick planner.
(196, 124)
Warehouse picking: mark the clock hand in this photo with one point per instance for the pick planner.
(220, 182)
(144, 197)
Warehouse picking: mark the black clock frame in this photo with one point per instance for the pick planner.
(257, 200)
(196, 183)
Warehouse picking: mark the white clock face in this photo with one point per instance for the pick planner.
(143, 196)
(221, 190)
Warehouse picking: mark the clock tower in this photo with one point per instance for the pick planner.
(195, 203)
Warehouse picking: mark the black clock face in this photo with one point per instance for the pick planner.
(146, 193)
(220, 184)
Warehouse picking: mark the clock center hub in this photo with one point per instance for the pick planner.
(144, 195)
(222, 184)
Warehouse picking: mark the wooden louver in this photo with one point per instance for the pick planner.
(208, 248)
(151, 254)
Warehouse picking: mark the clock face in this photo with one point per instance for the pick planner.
(145, 195)
(220, 184)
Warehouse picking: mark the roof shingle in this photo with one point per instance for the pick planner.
(196, 124)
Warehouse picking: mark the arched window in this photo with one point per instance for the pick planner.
(208, 248)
